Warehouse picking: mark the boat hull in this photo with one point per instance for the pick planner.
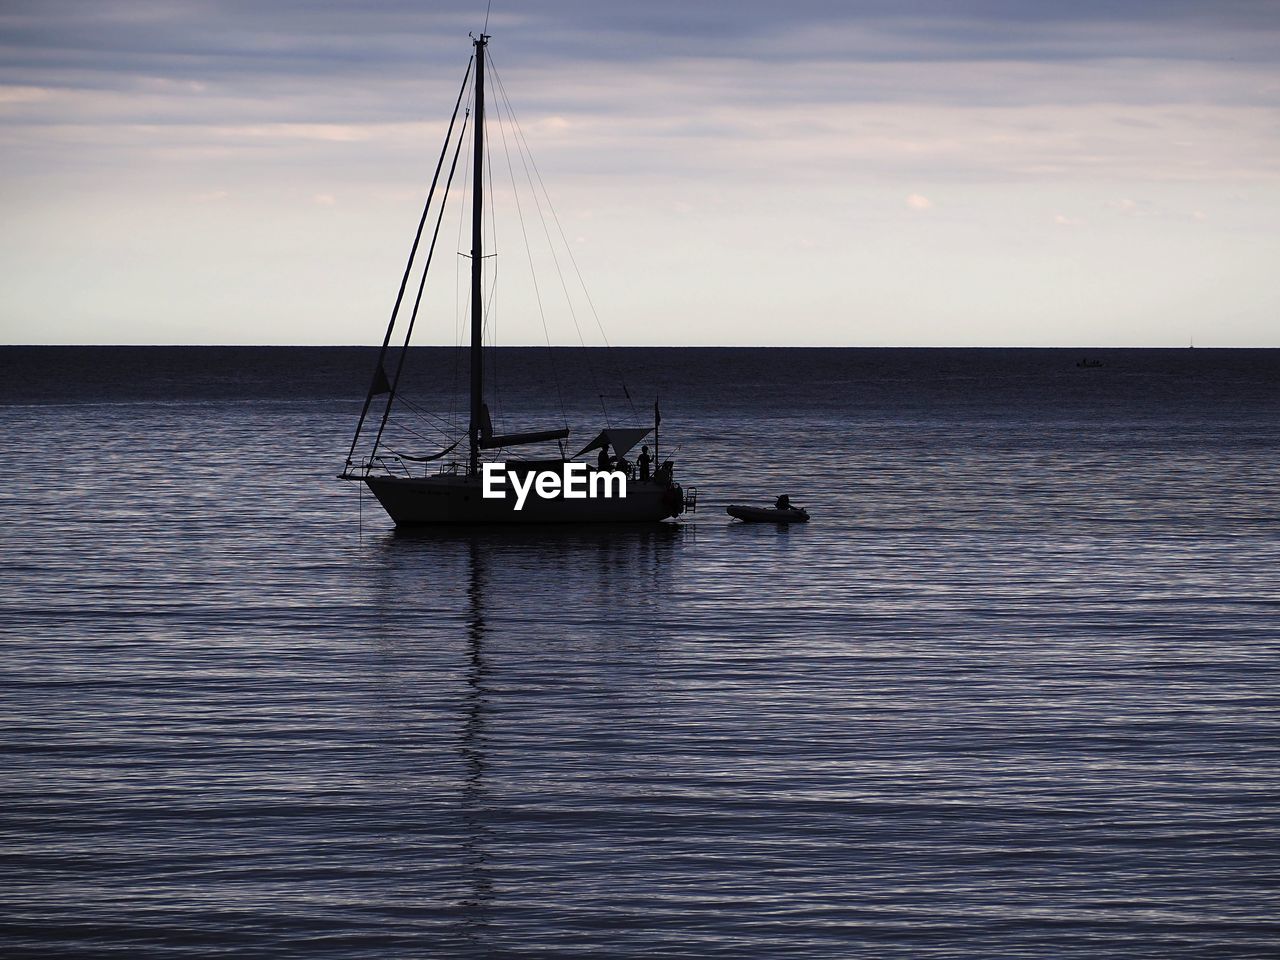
(767, 515)
(452, 499)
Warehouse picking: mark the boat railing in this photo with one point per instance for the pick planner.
(393, 464)
(356, 471)
(691, 499)
(390, 465)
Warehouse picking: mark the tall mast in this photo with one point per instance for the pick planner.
(477, 264)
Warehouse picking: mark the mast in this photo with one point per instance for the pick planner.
(477, 264)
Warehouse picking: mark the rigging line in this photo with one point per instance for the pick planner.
(573, 260)
(445, 430)
(489, 311)
(401, 432)
(537, 293)
(523, 151)
(423, 419)
(438, 424)
(413, 252)
(417, 302)
(459, 311)
(398, 439)
(526, 157)
(425, 414)
(412, 415)
(401, 425)
(401, 421)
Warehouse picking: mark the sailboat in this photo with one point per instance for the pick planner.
(430, 489)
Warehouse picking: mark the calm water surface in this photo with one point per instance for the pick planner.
(1013, 693)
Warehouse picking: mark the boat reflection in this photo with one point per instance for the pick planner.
(477, 604)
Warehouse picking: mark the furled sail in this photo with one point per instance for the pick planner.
(488, 441)
(515, 439)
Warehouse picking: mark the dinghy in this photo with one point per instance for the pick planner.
(767, 514)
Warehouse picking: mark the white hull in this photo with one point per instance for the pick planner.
(452, 499)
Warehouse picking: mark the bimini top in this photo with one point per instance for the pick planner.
(621, 439)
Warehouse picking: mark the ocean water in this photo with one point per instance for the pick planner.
(1013, 692)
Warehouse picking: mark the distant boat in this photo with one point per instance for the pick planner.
(456, 492)
(1087, 362)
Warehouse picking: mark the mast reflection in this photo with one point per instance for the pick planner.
(475, 836)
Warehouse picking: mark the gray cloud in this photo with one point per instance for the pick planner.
(659, 86)
(188, 125)
(108, 43)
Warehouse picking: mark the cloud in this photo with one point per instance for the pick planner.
(232, 43)
(758, 124)
(996, 91)
(10, 95)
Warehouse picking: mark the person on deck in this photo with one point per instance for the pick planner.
(604, 461)
(782, 503)
(643, 462)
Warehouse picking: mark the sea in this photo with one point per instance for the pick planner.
(1014, 691)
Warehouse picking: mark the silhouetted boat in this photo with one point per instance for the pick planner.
(767, 514)
(1086, 362)
(455, 493)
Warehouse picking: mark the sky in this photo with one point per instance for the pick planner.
(960, 173)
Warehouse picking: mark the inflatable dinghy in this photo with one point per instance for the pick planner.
(767, 514)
